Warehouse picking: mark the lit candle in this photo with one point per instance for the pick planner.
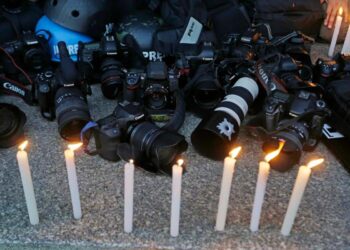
(176, 198)
(264, 170)
(128, 195)
(338, 23)
(229, 167)
(24, 168)
(297, 194)
(72, 179)
(346, 46)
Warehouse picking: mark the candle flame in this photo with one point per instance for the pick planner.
(75, 146)
(275, 153)
(315, 163)
(180, 162)
(340, 12)
(131, 161)
(23, 145)
(234, 153)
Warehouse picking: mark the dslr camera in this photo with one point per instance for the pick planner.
(197, 71)
(298, 120)
(156, 89)
(329, 70)
(129, 134)
(102, 61)
(62, 94)
(30, 52)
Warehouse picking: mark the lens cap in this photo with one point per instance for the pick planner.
(12, 121)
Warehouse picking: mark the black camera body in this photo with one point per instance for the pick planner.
(129, 134)
(62, 94)
(243, 46)
(102, 62)
(197, 76)
(155, 89)
(30, 52)
(298, 120)
(329, 70)
(17, 16)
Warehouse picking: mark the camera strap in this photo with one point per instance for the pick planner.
(267, 78)
(12, 87)
(85, 136)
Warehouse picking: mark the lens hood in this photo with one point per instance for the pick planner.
(160, 147)
(12, 121)
(288, 157)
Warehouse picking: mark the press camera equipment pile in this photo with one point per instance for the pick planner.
(157, 66)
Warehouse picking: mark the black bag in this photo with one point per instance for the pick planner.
(285, 16)
(338, 98)
(227, 17)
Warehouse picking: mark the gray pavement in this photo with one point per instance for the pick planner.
(323, 221)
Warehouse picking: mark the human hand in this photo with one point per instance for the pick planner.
(332, 11)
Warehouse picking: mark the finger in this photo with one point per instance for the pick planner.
(346, 14)
(332, 18)
(329, 12)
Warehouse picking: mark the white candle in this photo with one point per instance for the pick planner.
(297, 195)
(128, 195)
(346, 46)
(264, 170)
(338, 23)
(72, 179)
(229, 167)
(176, 198)
(24, 168)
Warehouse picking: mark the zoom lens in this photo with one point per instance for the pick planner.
(111, 78)
(295, 138)
(72, 112)
(160, 146)
(206, 91)
(12, 120)
(215, 135)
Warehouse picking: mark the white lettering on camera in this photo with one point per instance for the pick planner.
(14, 88)
(153, 55)
(72, 49)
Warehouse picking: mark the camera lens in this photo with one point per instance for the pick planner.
(206, 92)
(295, 137)
(35, 58)
(72, 112)
(156, 96)
(160, 146)
(12, 120)
(111, 78)
(207, 98)
(215, 134)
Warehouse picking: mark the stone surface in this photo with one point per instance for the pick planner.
(323, 221)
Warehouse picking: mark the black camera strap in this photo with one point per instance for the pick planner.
(12, 87)
(85, 136)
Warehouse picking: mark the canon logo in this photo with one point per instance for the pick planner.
(14, 88)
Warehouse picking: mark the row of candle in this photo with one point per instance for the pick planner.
(129, 168)
(264, 169)
(346, 45)
(24, 167)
